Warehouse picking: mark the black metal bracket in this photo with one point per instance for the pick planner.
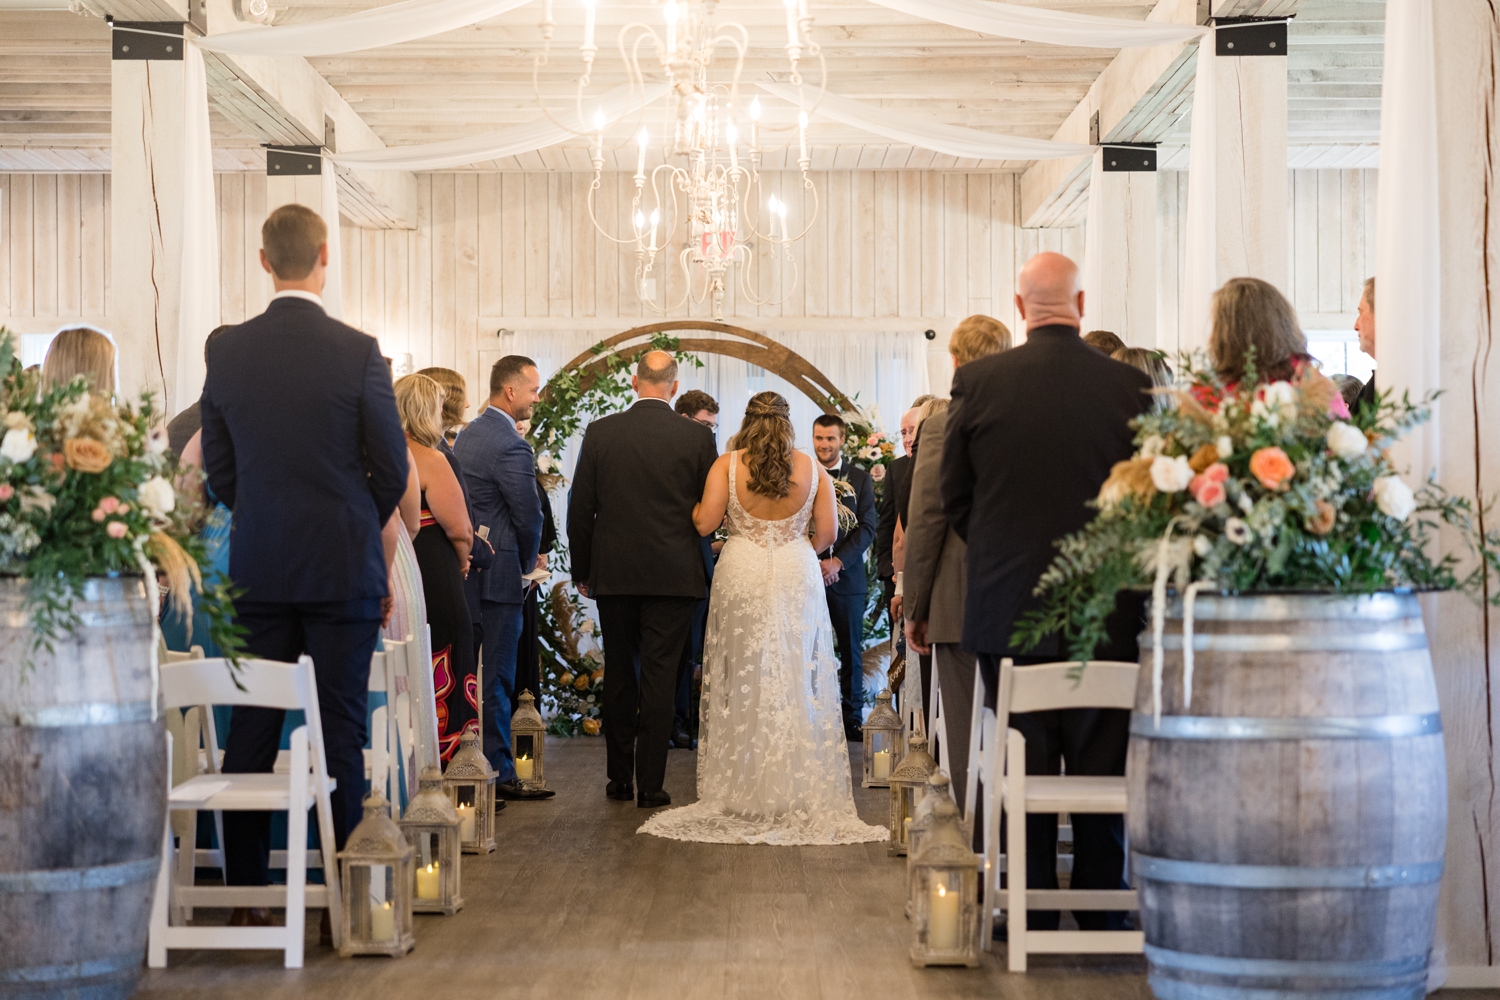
(1129, 157)
(294, 161)
(1250, 36)
(146, 40)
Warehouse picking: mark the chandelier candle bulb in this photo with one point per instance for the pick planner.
(670, 13)
(655, 221)
(791, 27)
(640, 164)
(589, 48)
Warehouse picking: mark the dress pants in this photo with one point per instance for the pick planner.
(1091, 741)
(502, 639)
(847, 612)
(340, 637)
(955, 674)
(692, 656)
(643, 641)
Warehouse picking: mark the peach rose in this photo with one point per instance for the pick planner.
(1272, 468)
(109, 504)
(1322, 522)
(6, 492)
(116, 529)
(86, 455)
(98, 516)
(591, 727)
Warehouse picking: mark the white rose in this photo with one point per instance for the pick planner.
(1224, 446)
(1202, 546)
(1346, 440)
(157, 496)
(1237, 531)
(15, 419)
(878, 473)
(1394, 497)
(1171, 475)
(18, 445)
(1277, 402)
(156, 441)
(543, 463)
(1151, 447)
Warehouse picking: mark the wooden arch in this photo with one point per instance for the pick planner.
(760, 350)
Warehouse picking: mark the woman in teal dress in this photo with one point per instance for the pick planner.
(215, 537)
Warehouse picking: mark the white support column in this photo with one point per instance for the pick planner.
(1120, 262)
(146, 179)
(1237, 201)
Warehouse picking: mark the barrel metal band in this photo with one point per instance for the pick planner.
(75, 879)
(1268, 642)
(1218, 965)
(73, 970)
(1299, 607)
(99, 713)
(1177, 989)
(1283, 876)
(1354, 727)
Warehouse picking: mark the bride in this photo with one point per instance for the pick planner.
(773, 765)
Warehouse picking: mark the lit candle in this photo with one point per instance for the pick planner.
(732, 136)
(942, 919)
(906, 830)
(525, 768)
(466, 823)
(588, 27)
(640, 163)
(382, 921)
(880, 767)
(428, 882)
(802, 134)
(791, 24)
(640, 224)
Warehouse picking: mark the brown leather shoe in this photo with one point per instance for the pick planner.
(251, 916)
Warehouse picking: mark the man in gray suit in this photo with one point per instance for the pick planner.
(934, 582)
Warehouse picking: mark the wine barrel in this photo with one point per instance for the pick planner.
(1286, 829)
(83, 773)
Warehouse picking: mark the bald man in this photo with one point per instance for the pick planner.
(1032, 434)
(635, 551)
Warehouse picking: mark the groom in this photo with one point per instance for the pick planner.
(635, 551)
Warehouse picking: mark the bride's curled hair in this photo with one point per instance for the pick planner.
(767, 437)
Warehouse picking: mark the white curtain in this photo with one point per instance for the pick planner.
(1407, 247)
(198, 307)
(333, 289)
(367, 29)
(1054, 27)
(1200, 264)
(1093, 236)
(533, 135)
(916, 130)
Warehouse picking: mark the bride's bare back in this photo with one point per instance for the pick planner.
(710, 511)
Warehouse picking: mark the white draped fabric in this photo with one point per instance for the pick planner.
(1407, 246)
(1200, 264)
(915, 130)
(534, 135)
(333, 290)
(1055, 27)
(367, 29)
(198, 307)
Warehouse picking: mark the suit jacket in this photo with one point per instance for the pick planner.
(311, 471)
(885, 531)
(849, 548)
(1366, 396)
(1032, 434)
(935, 577)
(630, 512)
(181, 428)
(501, 474)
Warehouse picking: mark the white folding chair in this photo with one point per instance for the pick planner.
(195, 751)
(1047, 686)
(937, 737)
(266, 684)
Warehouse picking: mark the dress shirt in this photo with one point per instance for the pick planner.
(297, 293)
(509, 419)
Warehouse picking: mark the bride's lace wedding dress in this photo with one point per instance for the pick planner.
(773, 765)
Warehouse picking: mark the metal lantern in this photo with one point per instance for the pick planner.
(431, 827)
(883, 748)
(375, 867)
(470, 784)
(907, 779)
(945, 912)
(939, 787)
(528, 744)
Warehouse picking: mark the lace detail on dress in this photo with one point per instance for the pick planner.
(773, 764)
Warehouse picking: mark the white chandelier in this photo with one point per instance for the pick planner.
(703, 190)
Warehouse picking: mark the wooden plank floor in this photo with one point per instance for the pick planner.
(576, 904)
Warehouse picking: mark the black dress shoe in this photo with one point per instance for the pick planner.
(499, 806)
(653, 800)
(513, 791)
(854, 734)
(619, 790)
(682, 740)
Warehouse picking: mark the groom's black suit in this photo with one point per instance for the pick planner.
(631, 535)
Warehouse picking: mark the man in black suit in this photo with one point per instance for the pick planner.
(311, 475)
(1032, 435)
(843, 568)
(897, 485)
(697, 405)
(1364, 328)
(636, 552)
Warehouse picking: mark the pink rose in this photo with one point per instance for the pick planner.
(124, 508)
(116, 529)
(98, 516)
(1209, 493)
(109, 505)
(874, 439)
(1218, 472)
(6, 492)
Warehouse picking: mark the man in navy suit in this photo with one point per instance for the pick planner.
(311, 473)
(843, 567)
(500, 470)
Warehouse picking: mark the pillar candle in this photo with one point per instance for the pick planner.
(428, 882)
(791, 23)
(880, 767)
(525, 768)
(382, 921)
(466, 823)
(942, 919)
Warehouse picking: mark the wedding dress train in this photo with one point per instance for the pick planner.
(773, 764)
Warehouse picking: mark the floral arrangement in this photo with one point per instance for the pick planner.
(1244, 488)
(572, 667)
(86, 489)
(868, 447)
